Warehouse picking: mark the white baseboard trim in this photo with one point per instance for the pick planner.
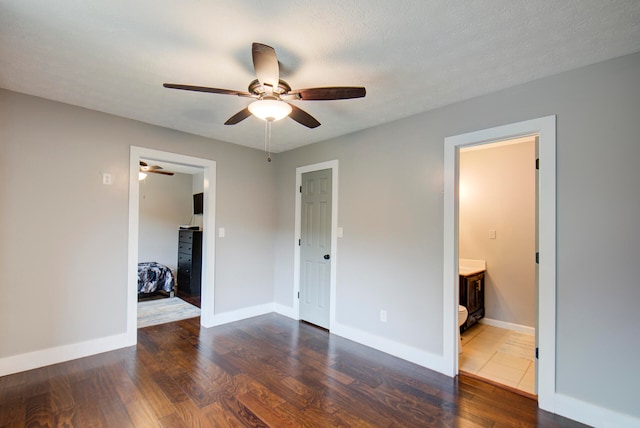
(509, 326)
(286, 311)
(400, 350)
(592, 414)
(409, 353)
(59, 354)
(240, 314)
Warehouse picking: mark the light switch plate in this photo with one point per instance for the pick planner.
(492, 234)
(221, 232)
(107, 178)
(339, 232)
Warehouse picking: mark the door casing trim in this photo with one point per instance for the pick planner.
(208, 226)
(545, 128)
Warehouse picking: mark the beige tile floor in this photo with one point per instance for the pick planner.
(499, 355)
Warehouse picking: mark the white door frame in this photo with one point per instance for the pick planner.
(545, 128)
(208, 244)
(333, 166)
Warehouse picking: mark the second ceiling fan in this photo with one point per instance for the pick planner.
(154, 169)
(271, 93)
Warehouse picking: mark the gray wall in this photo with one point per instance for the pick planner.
(497, 192)
(391, 208)
(166, 202)
(63, 234)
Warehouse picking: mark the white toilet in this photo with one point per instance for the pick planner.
(462, 317)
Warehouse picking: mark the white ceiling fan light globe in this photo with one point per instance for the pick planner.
(270, 110)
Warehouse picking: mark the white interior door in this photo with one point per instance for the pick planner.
(315, 247)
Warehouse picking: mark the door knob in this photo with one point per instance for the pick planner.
(327, 256)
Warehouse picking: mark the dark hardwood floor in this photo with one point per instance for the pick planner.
(194, 300)
(267, 371)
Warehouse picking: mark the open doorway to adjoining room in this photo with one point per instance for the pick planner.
(496, 264)
(169, 242)
(545, 129)
(173, 162)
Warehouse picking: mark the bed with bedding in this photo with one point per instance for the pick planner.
(154, 278)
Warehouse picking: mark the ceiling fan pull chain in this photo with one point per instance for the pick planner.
(266, 134)
(268, 139)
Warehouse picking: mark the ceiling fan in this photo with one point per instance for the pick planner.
(153, 169)
(271, 93)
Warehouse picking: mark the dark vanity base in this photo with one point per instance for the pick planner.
(472, 297)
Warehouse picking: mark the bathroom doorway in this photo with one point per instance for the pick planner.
(497, 233)
(545, 129)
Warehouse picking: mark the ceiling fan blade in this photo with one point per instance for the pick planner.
(207, 89)
(238, 117)
(155, 171)
(330, 93)
(265, 63)
(302, 117)
(149, 168)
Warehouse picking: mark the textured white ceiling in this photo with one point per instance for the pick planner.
(412, 56)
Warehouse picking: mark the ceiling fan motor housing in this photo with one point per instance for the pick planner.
(256, 88)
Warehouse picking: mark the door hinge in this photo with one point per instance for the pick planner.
(299, 299)
(300, 189)
(537, 163)
(299, 242)
(536, 348)
(537, 258)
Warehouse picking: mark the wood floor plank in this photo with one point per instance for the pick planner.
(115, 413)
(13, 408)
(61, 394)
(38, 411)
(169, 387)
(191, 415)
(267, 371)
(271, 415)
(141, 388)
(142, 415)
(173, 421)
(219, 418)
(87, 414)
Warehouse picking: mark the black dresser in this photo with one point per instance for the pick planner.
(189, 261)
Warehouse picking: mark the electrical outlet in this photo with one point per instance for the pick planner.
(107, 178)
(383, 315)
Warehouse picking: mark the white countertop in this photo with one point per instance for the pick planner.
(468, 267)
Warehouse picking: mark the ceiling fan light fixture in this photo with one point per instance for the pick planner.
(270, 110)
(142, 175)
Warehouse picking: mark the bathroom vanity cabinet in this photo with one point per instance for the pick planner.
(472, 297)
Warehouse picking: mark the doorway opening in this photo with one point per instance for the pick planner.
(545, 129)
(169, 242)
(497, 270)
(208, 168)
(327, 315)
